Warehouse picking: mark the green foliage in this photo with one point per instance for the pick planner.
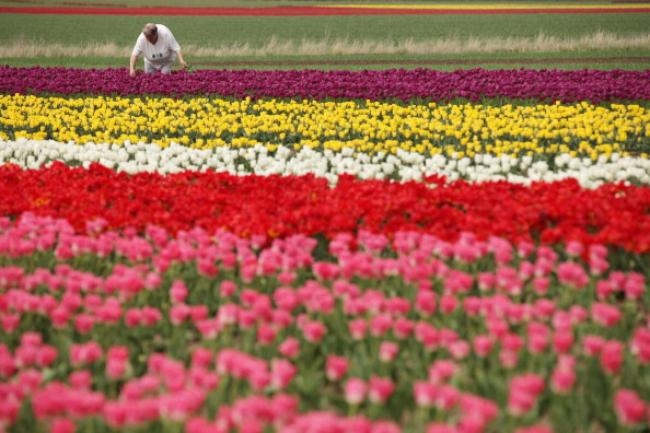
(215, 31)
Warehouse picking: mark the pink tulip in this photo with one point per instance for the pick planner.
(173, 374)
(438, 427)
(246, 319)
(593, 344)
(486, 281)
(117, 358)
(198, 312)
(501, 249)
(380, 389)
(497, 327)
(201, 357)
(60, 316)
(572, 274)
(508, 280)
(629, 407)
(357, 328)
(640, 345)
(563, 380)
(458, 282)
(574, 248)
(425, 302)
(227, 288)
(385, 427)
(286, 298)
(541, 428)
(605, 314)
(150, 316)
(442, 371)
(476, 411)
(425, 393)
(578, 313)
(26, 355)
(110, 312)
(388, 350)
(336, 367)
(604, 289)
(355, 391)
(402, 328)
(634, 286)
(228, 314)
(427, 335)
(482, 345)
(282, 373)
(206, 267)
(380, 325)
(520, 402)
(538, 337)
(45, 355)
(116, 414)
(511, 342)
(284, 407)
(178, 292)
(262, 308)
(290, 347)
(29, 381)
(563, 341)
(62, 425)
(562, 321)
(541, 285)
(181, 405)
(325, 270)
(611, 356)
(84, 323)
(459, 349)
(523, 392)
(81, 354)
(133, 317)
(201, 425)
(80, 379)
(179, 313)
(448, 304)
(266, 334)
(313, 331)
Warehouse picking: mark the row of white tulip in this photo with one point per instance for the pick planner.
(402, 166)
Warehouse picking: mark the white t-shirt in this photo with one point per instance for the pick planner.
(162, 51)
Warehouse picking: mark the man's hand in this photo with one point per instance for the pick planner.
(184, 64)
(132, 72)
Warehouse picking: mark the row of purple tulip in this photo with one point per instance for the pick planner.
(475, 84)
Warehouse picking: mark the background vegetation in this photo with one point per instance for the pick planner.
(617, 40)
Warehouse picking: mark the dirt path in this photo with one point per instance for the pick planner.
(424, 62)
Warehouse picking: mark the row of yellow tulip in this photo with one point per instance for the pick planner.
(369, 126)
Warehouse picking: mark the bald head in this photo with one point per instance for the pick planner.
(150, 29)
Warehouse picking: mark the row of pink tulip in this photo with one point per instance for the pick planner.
(218, 333)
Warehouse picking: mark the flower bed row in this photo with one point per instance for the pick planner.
(452, 129)
(613, 214)
(283, 160)
(475, 84)
(209, 333)
(290, 251)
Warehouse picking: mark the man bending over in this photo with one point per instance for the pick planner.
(159, 48)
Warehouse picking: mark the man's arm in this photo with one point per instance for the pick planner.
(181, 60)
(134, 58)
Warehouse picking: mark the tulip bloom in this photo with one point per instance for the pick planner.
(355, 390)
(629, 407)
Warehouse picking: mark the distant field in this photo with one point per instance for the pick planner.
(600, 40)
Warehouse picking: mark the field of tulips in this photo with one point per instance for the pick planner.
(310, 251)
